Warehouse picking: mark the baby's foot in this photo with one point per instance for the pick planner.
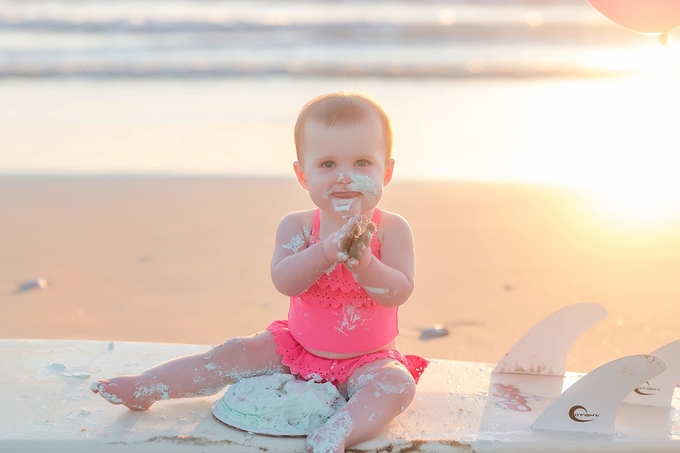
(331, 437)
(130, 391)
(323, 441)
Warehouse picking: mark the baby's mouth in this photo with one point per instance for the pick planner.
(344, 203)
(345, 194)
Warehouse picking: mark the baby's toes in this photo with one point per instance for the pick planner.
(108, 391)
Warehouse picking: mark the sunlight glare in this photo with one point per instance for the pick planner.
(638, 185)
(638, 204)
(651, 59)
(617, 139)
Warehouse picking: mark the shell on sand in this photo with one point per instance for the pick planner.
(35, 283)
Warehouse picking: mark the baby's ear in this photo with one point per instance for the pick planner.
(389, 169)
(300, 174)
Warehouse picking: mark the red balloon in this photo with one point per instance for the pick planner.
(644, 16)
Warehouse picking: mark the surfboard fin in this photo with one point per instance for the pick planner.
(544, 348)
(591, 403)
(658, 391)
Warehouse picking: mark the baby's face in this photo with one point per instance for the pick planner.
(344, 167)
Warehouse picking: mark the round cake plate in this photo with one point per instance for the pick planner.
(224, 418)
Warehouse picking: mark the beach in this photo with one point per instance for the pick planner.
(183, 259)
(146, 157)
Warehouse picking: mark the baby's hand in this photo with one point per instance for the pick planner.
(360, 250)
(337, 245)
(351, 244)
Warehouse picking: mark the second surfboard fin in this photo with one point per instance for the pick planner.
(591, 403)
(543, 349)
(658, 391)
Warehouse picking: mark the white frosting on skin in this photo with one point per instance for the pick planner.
(115, 399)
(342, 204)
(379, 291)
(279, 404)
(329, 438)
(363, 184)
(159, 389)
(296, 243)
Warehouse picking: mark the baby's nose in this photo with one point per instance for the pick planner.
(341, 177)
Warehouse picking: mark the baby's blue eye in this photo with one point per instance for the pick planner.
(362, 163)
(328, 164)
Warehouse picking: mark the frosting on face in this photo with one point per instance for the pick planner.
(363, 184)
(342, 204)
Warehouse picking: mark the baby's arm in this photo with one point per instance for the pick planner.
(389, 280)
(296, 266)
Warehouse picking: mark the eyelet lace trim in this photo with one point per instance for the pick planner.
(337, 288)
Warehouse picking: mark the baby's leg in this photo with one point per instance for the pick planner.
(195, 375)
(378, 391)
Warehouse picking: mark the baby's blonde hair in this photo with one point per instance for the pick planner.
(345, 108)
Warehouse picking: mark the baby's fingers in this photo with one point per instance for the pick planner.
(346, 234)
(349, 227)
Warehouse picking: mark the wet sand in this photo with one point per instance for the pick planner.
(186, 260)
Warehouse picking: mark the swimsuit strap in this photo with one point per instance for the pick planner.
(376, 217)
(375, 243)
(317, 224)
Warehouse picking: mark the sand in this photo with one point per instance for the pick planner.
(186, 260)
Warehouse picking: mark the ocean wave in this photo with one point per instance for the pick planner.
(471, 68)
(204, 38)
(245, 33)
(164, 15)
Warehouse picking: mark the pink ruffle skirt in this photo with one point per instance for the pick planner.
(310, 367)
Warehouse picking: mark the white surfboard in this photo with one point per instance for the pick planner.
(46, 405)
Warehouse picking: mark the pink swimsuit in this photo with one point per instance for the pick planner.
(336, 314)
